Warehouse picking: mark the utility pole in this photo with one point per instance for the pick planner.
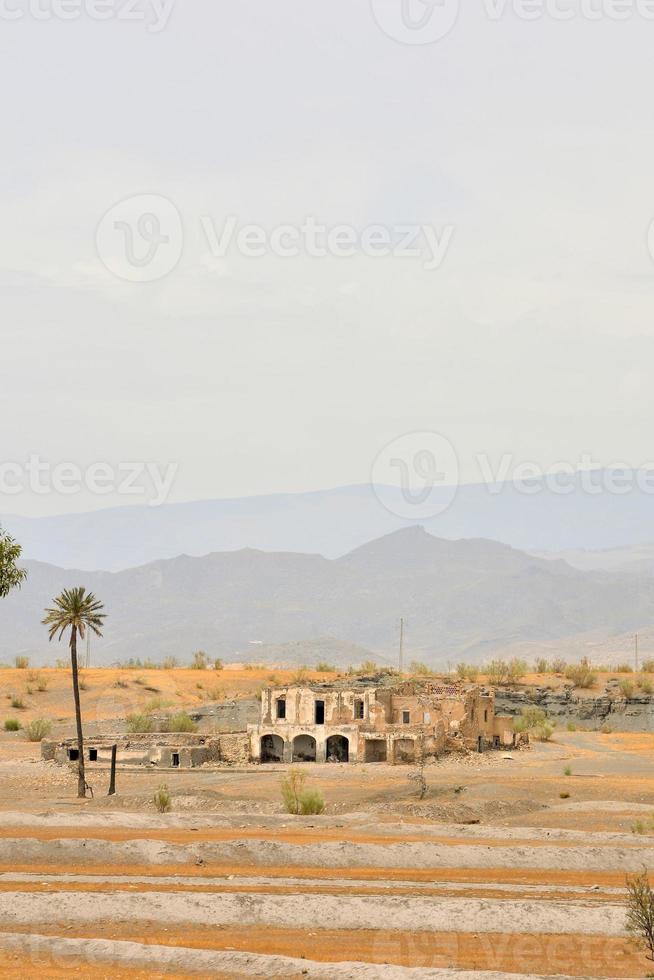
(401, 644)
(636, 650)
(112, 778)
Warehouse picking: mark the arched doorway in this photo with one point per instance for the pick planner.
(338, 749)
(272, 748)
(304, 748)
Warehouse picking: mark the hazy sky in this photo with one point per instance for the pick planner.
(532, 142)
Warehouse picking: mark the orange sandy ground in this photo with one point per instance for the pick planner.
(113, 692)
(105, 888)
(575, 955)
(514, 876)
(14, 964)
(319, 836)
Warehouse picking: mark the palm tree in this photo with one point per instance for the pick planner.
(78, 611)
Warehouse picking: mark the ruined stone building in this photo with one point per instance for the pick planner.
(376, 724)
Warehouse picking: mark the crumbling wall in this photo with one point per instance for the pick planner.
(234, 749)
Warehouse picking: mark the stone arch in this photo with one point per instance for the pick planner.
(338, 748)
(272, 748)
(304, 748)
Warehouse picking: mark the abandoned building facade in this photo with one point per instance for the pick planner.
(357, 723)
(376, 724)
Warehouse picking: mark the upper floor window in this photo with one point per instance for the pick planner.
(281, 707)
(358, 709)
(406, 717)
(486, 714)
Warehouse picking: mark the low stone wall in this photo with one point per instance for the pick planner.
(166, 750)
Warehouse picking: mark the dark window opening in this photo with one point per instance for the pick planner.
(496, 741)
(320, 712)
(73, 755)
(406, 717)
(281, 708)
(93, 755)
(175, 760)
(358, 709)
(486, 715)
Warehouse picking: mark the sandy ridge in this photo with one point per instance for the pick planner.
(81, 852)
(391, 913)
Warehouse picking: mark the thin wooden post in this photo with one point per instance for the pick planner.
(112, 780)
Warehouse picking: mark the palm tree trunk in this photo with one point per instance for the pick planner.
(81, 781)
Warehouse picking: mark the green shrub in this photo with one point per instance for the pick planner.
(543, 733)
(182, 723)
(564, 796)
(497, 672)
(624, 669)
(558, 665)
(301, 677)
(368, 667)
(42, 684)
(516, 670)
(571, 726)
(626, 688)
(218, 664)
(155, 704)
(648, 666)
(567, 771)
(162, 799)
(541, 666)
(324, 668)
(311, 802)
(606, 729)
(12, 725)
(199, 661)
(139, 723)
(533, 716)
(22, 663)
(170, 663)
(646, 686)
(38, 729)
(292, 786)
(581, 675)
(17, 703)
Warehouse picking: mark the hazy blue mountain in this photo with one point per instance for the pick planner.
(460, 598)
(333, 522)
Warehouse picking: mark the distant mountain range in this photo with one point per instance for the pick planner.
(334, 522)
(466, 598)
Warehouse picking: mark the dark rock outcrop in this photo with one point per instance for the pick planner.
(633, 714)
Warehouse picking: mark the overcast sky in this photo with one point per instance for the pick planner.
(528, 147)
